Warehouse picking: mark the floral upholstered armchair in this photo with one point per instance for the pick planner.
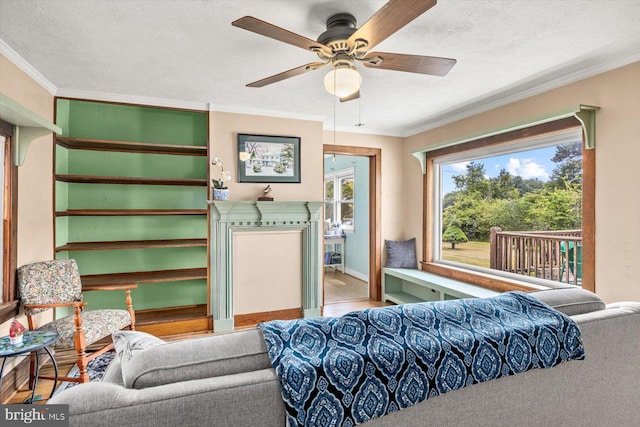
(55, 284)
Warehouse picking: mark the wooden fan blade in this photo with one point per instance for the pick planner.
(287, 74)
(266, 29)
(432, 65)
(354, 95)
(389, 19)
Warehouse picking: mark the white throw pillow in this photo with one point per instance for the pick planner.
(128, 343)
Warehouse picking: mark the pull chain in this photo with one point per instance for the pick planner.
(359, 124)
(335, 101)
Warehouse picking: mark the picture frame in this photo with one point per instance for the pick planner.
(268, 159)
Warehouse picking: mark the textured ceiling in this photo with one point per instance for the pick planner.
(187, 53)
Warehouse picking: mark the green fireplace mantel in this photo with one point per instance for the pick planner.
(228, 217)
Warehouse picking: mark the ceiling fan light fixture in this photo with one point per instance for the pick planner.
(345, 81)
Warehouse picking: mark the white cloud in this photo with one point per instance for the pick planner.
(460, 167)
(527, 169)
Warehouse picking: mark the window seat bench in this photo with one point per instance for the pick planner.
(407, 285)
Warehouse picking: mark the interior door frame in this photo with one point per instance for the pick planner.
(375, 196)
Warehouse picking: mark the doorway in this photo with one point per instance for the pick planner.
(346, 228)
(352, 227)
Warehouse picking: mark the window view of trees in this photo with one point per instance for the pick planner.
(338, 198)
(512, 202)
(329, 201)
(346, 200)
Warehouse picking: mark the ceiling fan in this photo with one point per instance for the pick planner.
(343, 45)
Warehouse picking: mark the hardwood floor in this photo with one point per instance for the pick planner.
(65, 361)
(340, 287)
(340, 308)
(67, 358)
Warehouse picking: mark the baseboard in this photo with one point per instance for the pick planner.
(251, 319)
(357, 274)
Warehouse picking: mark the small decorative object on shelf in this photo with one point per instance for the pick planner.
(220, 193)
(265, 195)
(220, 189)
(16, 330)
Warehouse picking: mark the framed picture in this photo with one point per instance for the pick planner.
(272, 159)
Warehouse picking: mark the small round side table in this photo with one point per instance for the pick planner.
(32, 341)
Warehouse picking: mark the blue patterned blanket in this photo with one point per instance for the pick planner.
(347, 370)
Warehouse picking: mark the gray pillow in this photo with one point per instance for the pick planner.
(191, 359)
(401, 254)
(570, 301)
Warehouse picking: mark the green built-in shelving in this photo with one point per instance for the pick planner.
(131, 207)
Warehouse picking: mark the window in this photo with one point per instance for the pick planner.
(338, 199)
(9, 178)
(513, 207)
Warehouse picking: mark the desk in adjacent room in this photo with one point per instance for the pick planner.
(334, 258)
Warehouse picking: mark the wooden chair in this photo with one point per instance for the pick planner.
(56, 284)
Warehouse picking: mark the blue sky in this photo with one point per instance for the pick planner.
(527, 164)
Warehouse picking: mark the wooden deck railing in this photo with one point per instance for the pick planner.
(545, 254)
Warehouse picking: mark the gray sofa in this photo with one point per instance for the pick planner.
(227, 380)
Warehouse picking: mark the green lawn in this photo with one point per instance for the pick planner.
(472, 253)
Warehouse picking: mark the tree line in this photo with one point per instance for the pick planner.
(514, 203)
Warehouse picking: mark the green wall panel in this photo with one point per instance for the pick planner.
(62, 159)
(96, 120)
(62, 231)
(87, 162)
(62, 115)
(129, 260)
(62, 196)
(110, 228)
(154, 295)
(117, 196)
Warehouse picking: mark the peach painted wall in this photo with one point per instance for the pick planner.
(223, 143)
(617, 93)
(35, 179)
(267, 271)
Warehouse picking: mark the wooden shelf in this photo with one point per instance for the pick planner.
(130, 212)
(94, 282)
(132, 244)
(173, 321)
(132, 147)
(161, 315)
(154, 182)
(93, 179)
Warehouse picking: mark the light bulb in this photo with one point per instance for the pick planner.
(346, 81)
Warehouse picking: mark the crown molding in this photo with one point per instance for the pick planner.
(534, 87)
(27, 68)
